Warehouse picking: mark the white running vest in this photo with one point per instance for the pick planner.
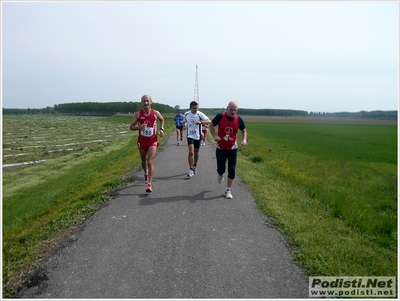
(193, 129)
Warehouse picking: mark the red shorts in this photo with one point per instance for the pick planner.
(144, 144)
(204, 131)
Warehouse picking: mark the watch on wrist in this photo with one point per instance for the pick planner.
(162, 129)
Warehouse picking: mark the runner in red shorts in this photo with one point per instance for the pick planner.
(145, 121)
(204, 130)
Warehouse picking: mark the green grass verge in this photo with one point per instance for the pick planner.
(42, 208)
(325, 245)
(336, 203)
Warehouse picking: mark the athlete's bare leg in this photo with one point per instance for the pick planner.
(148, 161)
(143, 156)
(196, 155)
(178, 135)
(229, 183)
(191, 155)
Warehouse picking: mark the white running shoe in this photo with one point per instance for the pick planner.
(195, 170)
(228, 194)
(220, 178)
(190, 173)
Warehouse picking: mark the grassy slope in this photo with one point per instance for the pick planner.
(337, 203)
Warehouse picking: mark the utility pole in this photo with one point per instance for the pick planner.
(196, 88)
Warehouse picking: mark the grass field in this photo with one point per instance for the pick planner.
(330, 187)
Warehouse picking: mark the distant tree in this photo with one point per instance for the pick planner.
(106, 109)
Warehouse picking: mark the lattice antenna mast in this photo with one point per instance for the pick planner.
(196, 87)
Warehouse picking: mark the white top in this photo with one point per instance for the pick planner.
(193, 129)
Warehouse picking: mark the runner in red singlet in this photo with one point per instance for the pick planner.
(226, 142)
(145, 121)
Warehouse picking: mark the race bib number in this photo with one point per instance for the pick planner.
(147, 132)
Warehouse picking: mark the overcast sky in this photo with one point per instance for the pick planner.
(312, 56)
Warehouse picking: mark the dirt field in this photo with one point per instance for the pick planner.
(303, 119)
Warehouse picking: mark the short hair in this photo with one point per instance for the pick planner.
(144, 96)
(194, 103)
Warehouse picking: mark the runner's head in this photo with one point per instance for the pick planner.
(146, 101)
(232, 108)
(194, 106)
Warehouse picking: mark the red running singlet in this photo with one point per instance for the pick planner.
(148, 136)
(227, 130)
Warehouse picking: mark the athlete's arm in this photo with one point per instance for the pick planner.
(213, 124)
(133, 126)
(161, 118)
(184, 121)
(205, 122)
(242, 128)
(244, 137)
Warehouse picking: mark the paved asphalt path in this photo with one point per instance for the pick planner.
(183, 240)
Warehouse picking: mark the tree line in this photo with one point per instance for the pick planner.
(92, 109)
(390, 115)
(112, 108)
(107, 108)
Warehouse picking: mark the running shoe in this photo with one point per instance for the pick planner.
(220, 178)
(195, 170)
(228, 194)
(149, 187)
(190, 173)
(177, 144)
